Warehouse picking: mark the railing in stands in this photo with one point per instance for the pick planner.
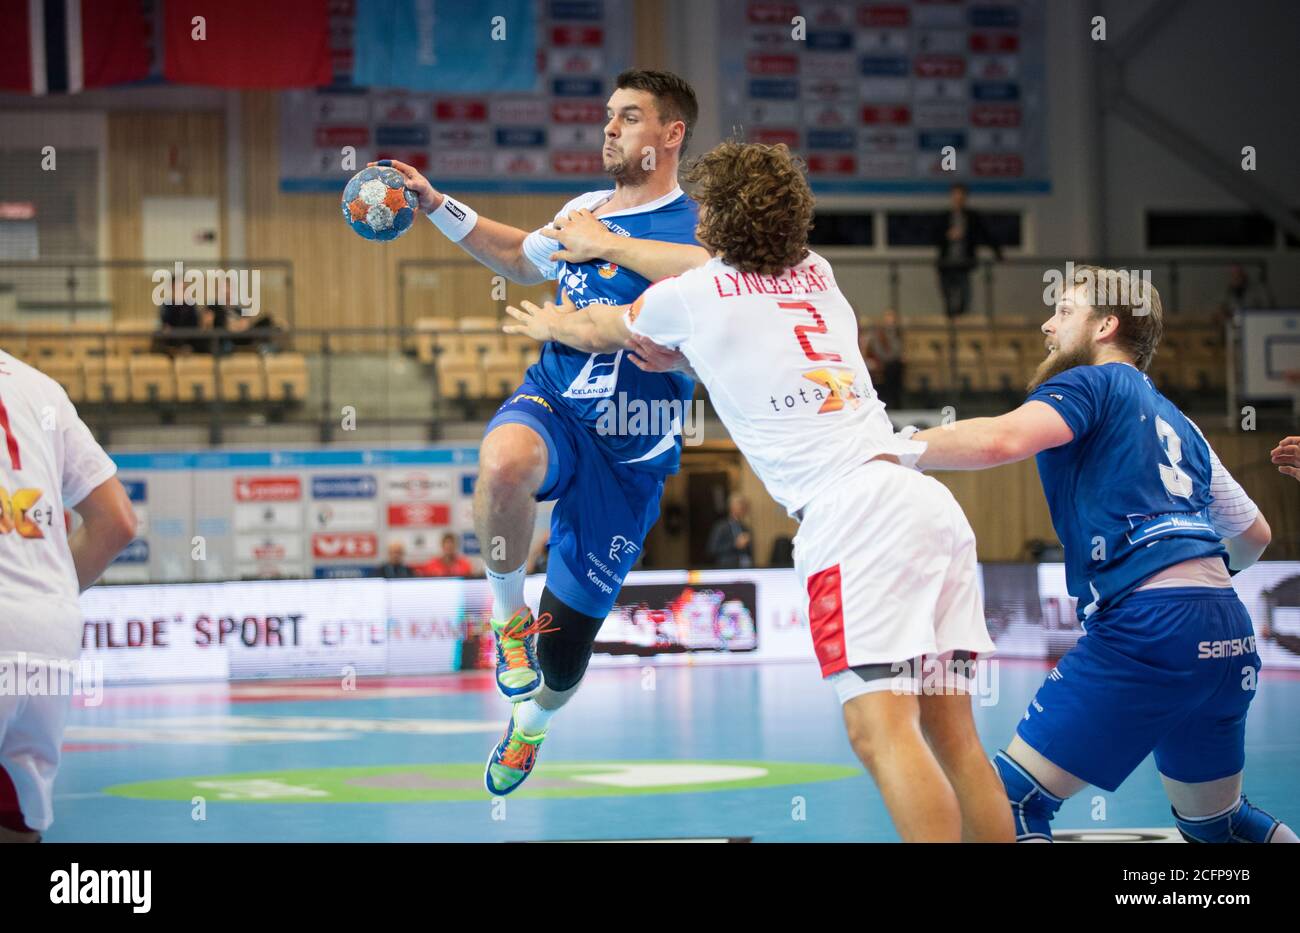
(37, 292)
(426, 378)
(1190, 286)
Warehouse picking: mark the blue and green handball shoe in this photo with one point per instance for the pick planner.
(511, 761)
(519, 676)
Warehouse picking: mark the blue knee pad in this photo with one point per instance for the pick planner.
(1243, 823)
(1031, 805)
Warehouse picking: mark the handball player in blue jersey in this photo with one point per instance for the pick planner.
(556, 437)
(1152, 526)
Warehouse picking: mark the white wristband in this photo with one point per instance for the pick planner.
(453, 218)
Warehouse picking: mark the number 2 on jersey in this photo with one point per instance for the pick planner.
(1176, 481)
(803, 330)
(11, 439)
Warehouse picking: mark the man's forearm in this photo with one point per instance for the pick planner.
(972, 444)
(593, 329)
(92, 553)
(500, 247)
(654, 259)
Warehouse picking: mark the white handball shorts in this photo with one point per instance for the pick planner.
(31, 735)
(887, 560)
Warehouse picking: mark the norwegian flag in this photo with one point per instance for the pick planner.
(66, 46)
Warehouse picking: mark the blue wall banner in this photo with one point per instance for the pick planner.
(447, 46)
(432, 88)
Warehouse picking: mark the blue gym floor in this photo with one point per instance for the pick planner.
(720, 751)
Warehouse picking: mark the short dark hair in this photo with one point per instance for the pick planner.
(674, 98)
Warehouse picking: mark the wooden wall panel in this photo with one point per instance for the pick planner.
(156, 154)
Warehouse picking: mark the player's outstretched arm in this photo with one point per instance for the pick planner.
(498, 246)
(596, 328)
(108, 525)
(585, 238)
(980, 443)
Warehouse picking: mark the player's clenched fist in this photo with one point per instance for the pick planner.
(429, 196)
(1287, 456)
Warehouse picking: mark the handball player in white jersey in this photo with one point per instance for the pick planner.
(49, 462)
(885, 554)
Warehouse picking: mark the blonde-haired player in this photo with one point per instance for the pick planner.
(48, 461)
(885, 554)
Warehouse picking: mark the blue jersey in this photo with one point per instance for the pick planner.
(1131, 494)
(605, 391)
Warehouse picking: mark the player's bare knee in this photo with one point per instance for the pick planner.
(511, 463)
(948, 726)
(877, 723)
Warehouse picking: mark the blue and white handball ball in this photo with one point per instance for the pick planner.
(377, 205)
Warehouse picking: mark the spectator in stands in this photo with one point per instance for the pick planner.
(883, 350)
(395, 567)
(957, 238)
(450, 563)
(258, 332)
(178, 315)
(1241, 294)
(782, 552)
(175, 315)
(731, 544)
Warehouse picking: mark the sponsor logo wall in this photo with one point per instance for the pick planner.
(328, 627)
(546, 139)
(324, 513)
(872, 93)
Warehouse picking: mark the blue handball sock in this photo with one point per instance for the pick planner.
(1239, 823)
(1031, 805)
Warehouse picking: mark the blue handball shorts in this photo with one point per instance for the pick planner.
(1167, 671)
(603, 509)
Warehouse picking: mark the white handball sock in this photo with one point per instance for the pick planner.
(507, 593)
(531, 719)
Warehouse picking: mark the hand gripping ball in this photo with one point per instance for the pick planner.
(377, 205)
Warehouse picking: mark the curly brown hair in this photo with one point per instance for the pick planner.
(755, 206)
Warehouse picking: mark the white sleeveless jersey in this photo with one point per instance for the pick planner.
(48, 462)
(779, 355)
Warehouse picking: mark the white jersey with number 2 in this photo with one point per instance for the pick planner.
(779, 356)
(48, 461)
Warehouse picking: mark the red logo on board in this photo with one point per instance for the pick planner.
(419, 514)
(267, 489)
(344, 545)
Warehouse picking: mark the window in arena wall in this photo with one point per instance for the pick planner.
(65, 224)
(843, 229)
(1213, 229)
(910, 229)
(1293, 242)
